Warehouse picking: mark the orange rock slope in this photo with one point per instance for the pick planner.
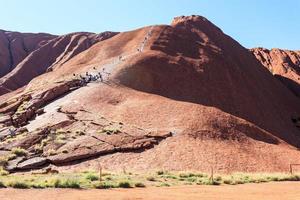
(179, 97)
(25, 55)
(284, 64)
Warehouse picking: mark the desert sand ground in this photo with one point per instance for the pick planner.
(265, 191)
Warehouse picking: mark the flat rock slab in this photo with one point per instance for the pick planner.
(32, 163)
(28, 141)
(12, 164)
(101, 144)
(81, 148)
(4, 133)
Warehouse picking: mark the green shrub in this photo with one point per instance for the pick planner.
(124, 184)
(200, 175)
(191, 179)
(295, 178)
(186, 175)
(19, 151)
(110, 130)
(66, 183)
(92, 177)
(104, 185)
(2, 185)
(169, 176)
(38, 185)
(164, 185)
(3, 160)
(208, 182)
(3, 172)
(19, 185)
(61, 137)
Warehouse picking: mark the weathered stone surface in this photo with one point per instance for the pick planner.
(90, 146)
(283, 64)
(81, 148)
(40, 99)
(12, 164)
(4, 132)
(28, 141)
(16, 46)
(32, 163)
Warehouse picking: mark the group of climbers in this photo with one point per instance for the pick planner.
(91, 77)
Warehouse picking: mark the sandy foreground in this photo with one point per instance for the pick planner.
(274, 191)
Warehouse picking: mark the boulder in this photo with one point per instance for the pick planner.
(12, 164)
(32, 163)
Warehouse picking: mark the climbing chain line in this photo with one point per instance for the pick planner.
(107, 69)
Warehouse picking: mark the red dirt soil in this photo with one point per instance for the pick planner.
(274, 191)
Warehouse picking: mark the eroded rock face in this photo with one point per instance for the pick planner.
(27, 141)
(45, 52)
(15, 47)
(35, 102)
(283, 64)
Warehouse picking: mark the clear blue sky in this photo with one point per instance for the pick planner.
(267, 23)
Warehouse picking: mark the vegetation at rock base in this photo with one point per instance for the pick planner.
(90, 179)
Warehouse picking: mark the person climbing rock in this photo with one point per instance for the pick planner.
(82, 80)
(12, 133)
(100, 76)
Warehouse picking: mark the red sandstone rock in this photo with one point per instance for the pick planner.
(284, 64)
(222, 107)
